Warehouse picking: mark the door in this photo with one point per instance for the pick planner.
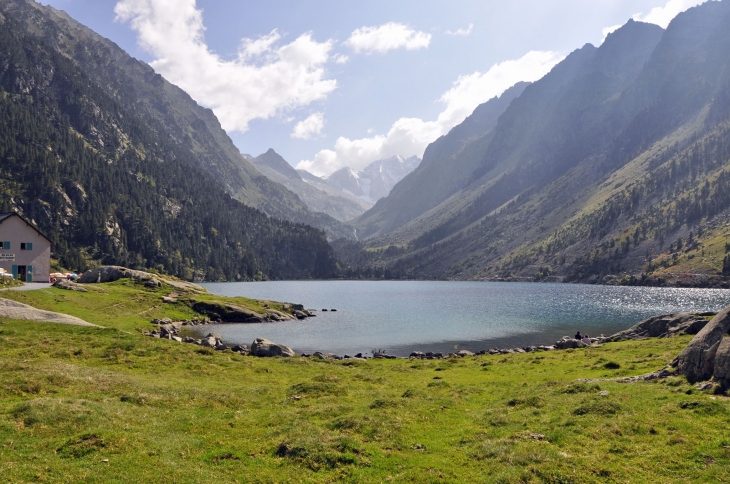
(22, 273)
(29, 274)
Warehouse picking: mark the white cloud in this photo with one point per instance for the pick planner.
(341, 59)
(265, 80)
(461, 32)
(387, 37)
(663, 15)
(310, 127)
(410, 136)
(609, 30)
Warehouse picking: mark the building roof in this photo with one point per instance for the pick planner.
(5, 216)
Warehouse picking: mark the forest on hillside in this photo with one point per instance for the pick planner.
(107, 190)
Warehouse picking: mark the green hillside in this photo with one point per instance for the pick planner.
(592, 174)
(105, 188)
(106, 405)
(165, 110)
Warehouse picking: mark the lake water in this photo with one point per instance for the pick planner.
(403, 316)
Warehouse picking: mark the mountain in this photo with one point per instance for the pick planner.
(167, 110)
(109, 183)
(614, 166)
(376, 180)
(312, 190)
(438, 176)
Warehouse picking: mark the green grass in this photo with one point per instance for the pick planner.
(72, 398)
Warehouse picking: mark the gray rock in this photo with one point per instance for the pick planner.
(567, 343)
(417, 354)
(69, 285)
(721, 372)
(264, 347)
(153, 283)
(662, 327)
(113, 273)
(210, 342)
(697, 360)
(178, 339)
(463, 353)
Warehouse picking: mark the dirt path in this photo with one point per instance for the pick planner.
(15, 310)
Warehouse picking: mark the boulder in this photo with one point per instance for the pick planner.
(113, 273)
(264, 347)
(210, 342)
(69, 285)
(323, 356)
(568, 342)
(662, 327)
(464, 353)
(300, 314)
(228, 313)
(697, 360)
(721, 372)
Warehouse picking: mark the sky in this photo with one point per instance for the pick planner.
(335, 83)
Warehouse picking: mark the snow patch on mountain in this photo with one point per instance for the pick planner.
(376, 180)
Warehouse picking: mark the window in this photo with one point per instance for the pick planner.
(26, 246)
(5, 245)
(22, 246)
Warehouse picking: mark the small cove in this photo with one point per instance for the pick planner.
(404, 316)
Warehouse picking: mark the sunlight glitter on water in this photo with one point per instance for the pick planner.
(401, 316)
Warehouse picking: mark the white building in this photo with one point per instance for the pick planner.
(24, 251)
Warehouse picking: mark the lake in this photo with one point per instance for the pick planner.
(404, 316)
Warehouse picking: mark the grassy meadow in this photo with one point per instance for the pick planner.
(92, 405)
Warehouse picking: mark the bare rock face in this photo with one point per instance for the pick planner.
(113, 273)
(697, 361)
(264, 347)
(567, 343)
(69, 285)
(663, 327)
(15, 310)
(721, 372)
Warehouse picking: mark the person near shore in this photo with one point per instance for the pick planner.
(586, 339)
(578, 336)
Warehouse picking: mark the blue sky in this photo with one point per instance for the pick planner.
(332, 83)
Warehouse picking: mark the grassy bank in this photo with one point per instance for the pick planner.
(110, 405)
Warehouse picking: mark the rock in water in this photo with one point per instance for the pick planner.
(264, 347)
(697, 360)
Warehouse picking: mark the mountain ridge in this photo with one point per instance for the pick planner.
(591, 172)
(166, 109)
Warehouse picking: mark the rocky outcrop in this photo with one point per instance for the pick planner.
(15, 310)
(721, 371)
(114, 273)
(663, 327)
(69, 285)
(697, 360)
(264, 347)
(228, 313)
(567, 343)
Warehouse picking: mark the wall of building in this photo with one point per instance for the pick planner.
(16, 231)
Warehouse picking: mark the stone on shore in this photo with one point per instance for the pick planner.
(721, 372)
(697, 360)
(264, 347)
(662, 327)
(567, 343)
